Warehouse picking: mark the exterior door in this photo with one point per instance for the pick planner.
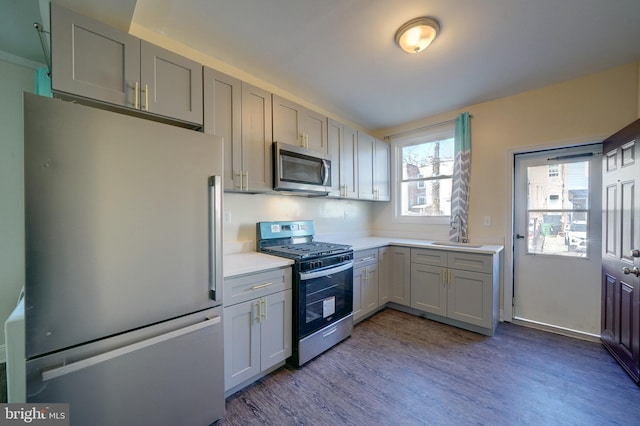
(557, 239)
(621, 248)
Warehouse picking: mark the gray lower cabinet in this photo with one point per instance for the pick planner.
(365, 283)
(241, 114)
(257, 326)
(396, 271)
(459, 288)
(93, 61)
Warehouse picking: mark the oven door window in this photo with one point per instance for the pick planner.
(324, 300)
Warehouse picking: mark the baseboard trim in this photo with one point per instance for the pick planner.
(556, 329)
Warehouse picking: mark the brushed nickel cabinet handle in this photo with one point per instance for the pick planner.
(255, 287)
(146, 97)
(136, 96)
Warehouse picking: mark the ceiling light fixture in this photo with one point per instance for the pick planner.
(417, 34)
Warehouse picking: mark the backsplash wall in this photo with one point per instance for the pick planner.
(331, 217)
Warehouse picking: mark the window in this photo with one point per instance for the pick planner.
(424, 170)
(558, 224)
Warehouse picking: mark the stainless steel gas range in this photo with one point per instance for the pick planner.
(322, 285)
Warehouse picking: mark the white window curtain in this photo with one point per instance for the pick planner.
(461, 178)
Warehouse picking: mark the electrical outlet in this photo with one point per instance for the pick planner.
(227, 216)
(486, 221)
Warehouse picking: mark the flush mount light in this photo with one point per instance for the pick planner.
(417, 34)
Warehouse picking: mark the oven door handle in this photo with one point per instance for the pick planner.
(324, 272)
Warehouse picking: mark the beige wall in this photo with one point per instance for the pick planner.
(582, 110)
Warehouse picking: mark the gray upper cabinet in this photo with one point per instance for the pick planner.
(256, 139)
(366, 150)
(373, 168)
(335, 132)
(223, 117)
(170, 84)
(94, 61)
(241, 114)
(297, 125)
(381, 172)
(342, 144)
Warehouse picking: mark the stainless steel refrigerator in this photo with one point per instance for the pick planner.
(123, 295)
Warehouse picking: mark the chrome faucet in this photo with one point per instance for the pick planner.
(456, 223)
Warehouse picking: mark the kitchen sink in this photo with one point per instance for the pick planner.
(455, 244)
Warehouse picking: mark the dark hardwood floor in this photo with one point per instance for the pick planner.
(398, 369)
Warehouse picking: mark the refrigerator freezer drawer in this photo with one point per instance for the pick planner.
(167, 374)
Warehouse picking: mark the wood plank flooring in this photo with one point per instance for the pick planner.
(398, 369)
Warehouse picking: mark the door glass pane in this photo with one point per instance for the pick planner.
(558, 207)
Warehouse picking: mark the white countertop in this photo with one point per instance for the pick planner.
(249, 262)
(365, 243)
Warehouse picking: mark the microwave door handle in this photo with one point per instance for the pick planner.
(325, 172)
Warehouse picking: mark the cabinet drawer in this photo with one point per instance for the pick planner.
(429, 257)
(365, 257)
(470, 261)
(247, 287)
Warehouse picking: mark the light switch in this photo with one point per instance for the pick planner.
(227, 216)
(486, 221)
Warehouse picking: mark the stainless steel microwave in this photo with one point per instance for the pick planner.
(300, 170)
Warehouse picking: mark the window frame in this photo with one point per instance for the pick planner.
(427, 135)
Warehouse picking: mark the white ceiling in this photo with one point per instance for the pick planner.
(341, 56)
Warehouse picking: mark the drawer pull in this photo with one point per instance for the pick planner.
(366, 259)
(256, 287)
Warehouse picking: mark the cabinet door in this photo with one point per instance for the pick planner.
(366, 147)
(256, 139)
(399, 275)
(358, 277)
(335, 132)
(276, 329)
(428, 289)
(92, 60)
(384, 274)
(469, 297)
(241, 343)
(382, 187)
(314, 127)
(349, 162)
(287, 122)
(369, 289)
(223, 117)
(171, 85)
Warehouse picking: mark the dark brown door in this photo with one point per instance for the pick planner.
(620, 248)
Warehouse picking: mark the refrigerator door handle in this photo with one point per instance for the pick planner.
(56, 372)
(215, 238)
